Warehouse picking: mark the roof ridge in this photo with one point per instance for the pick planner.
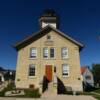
(44, 29)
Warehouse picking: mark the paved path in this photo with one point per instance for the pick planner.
(58, 97)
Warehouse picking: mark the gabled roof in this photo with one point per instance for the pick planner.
(83, 69)
(44, 31)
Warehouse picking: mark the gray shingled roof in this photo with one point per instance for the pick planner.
(20, 44)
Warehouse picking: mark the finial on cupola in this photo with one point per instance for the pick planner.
(49, 17)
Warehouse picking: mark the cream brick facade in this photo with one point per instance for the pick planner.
(23, 80)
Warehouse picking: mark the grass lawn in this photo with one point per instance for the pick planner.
(97, 96)
(97, 91)
(91, 94)
(28, 92)
(35, 92)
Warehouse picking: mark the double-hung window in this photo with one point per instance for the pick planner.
(31, 70)
(33, 52)
(65, 70)
(45, 53)
(64, 52)
(52, 52)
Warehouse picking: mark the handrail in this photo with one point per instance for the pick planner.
(55, 79)
(45, 84)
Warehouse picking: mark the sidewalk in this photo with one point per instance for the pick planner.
(58, 97)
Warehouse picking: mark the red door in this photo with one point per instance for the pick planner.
(48, 72)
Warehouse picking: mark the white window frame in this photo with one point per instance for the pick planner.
(54, 52)
(33, 52)
(45, 53)
(30, 71)
(65, 70)
(64, 52)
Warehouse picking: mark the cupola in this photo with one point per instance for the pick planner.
(49, 17)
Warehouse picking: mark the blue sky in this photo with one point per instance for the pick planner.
(78, 18)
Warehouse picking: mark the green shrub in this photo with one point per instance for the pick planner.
(32, 93)
(9, 87)
(2, 93)
(28, 92)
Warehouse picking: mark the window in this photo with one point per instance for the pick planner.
(33, 53)
(31, 86)
(54, 69)
(31, 70)
(65, 70)
(88, 77)
(52, 53)
(48, 37)
(45, 53)
(64, 52)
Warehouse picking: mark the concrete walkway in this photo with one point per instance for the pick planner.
(58, 97)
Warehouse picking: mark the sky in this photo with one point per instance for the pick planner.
(79, 19)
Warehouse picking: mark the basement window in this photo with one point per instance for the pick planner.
(31, 86)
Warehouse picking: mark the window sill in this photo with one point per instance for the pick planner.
(65, 76)
(46, 58)
(32, 77)
(53, 58)
(49, 58)
(64, 58)
(32, 58)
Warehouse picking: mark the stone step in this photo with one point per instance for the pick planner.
(49, 92)
(50, 86)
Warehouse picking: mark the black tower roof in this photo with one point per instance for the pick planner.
(49, 13)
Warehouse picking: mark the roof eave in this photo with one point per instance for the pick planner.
(18, 44)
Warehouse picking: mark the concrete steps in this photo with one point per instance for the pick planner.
(49, 92)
